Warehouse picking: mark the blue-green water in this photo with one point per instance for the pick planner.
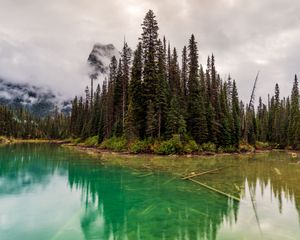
(51, 193)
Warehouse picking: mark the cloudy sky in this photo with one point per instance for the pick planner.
(47, 42)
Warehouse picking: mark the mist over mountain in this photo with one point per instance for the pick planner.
(99, 59)
(39, 100)
(42, 100)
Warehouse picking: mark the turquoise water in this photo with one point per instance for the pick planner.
(51, 193)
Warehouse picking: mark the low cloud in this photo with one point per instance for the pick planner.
(48, 42)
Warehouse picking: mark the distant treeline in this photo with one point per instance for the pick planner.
(149, 96)
(20, 123)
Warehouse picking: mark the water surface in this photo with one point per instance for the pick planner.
(50, 193)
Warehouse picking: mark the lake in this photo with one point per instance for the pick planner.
(48, 192)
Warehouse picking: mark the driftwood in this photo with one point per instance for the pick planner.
(202, 173)
(215, 190)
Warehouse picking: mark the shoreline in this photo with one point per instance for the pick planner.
(98, 150)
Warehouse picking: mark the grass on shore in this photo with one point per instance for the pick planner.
(161, 147)
(171, 146)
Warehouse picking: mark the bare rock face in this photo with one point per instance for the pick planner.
(100, 58)
(41, 100)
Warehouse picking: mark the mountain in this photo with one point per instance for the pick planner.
(100, 57)
(39, 100)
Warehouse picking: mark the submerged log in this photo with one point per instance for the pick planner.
(202, 173)
(215, 190)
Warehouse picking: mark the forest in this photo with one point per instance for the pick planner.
(153, 102)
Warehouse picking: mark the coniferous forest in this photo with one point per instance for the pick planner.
(153, 102)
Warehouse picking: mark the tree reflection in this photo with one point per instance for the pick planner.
(121, 203)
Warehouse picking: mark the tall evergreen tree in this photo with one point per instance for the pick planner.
(162, 91)
(197, 124)
(150, 70)
(150, 53)
(136, 97)
(184, 72)
(126, 61)
(294, 125)
(235, 116)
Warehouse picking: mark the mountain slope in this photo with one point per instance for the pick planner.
(39, 100)
(99, 59)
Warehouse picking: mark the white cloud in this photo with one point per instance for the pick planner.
(48, 42)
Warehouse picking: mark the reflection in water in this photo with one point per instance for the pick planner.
(105, 201)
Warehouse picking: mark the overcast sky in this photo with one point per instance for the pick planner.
(47, 42)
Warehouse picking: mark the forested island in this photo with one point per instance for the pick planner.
(151, 103)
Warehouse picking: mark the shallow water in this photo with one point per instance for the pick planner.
(50, 193)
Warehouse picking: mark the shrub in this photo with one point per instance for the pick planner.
(73, 140)
(227, 149)
(191, 147)
(245, 147)
(170, 146)
(115, 144)
(140, 146)
(91, 141)
(209, 147)
(261, 145)
(3, 139)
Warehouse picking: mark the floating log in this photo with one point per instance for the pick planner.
(202, 173)
(215, 190)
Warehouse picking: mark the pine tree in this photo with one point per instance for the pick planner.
(96, 112)
(184, 73)
(74, 116)
(130, 130)
(197, 124)
(86, 129)
(175, 120)
(126, 60)
(235, 116)
(117, 102)
(150, 70)
(162, 91)
(136, 96)
(276, 123)
(225, 136)
(294, 130)
(103, 113)
(109, 110)
(151, 121)
(174, 76)
(150, 52)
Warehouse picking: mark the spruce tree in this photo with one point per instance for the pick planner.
(197, 124)
(294, 123)
(136, 96)
(150, 70)
(150, 52)
(184, 73)
(126, 60)
(117, 102)
(175, 120)
(235, 116)
(163, 92)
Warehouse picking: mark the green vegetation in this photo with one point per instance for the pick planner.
(140, 146)
(21, 124)
(91, 141)
(115, 144)
(182, 110)
(150, 103)
(171, 146)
